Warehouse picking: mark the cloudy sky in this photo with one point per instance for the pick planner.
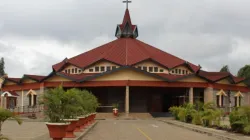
(35, 34)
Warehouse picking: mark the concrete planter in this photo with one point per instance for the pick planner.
(71, 127)
(57, 131)
(115, 112)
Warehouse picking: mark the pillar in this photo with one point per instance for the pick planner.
(32, 99)
(127, 100)
(191, 95)
(208, 95)
(22, 102)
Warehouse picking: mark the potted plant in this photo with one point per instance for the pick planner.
(115, 109)
(72, 102)
(6, 114)
(54, 112)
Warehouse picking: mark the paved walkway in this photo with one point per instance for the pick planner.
(141, 130)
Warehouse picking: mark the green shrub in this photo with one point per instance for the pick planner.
(240, 119)
(175, 111)
(196, 118)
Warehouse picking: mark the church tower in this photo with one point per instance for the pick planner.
(126, 29)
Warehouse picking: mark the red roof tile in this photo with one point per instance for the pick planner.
(126, 51)
(13, 93)
(77, 76)
(13, 79)
(36, 77)
(170, 76)
(214, 76)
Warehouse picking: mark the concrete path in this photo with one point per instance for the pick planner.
(141, 130)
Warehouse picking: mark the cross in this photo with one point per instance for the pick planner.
(127, 1)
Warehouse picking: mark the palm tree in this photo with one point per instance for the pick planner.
(6, 114)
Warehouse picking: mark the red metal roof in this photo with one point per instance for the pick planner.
(13, 93)
(77, 76)
(36, 77)
(126, 51)
(14, 79)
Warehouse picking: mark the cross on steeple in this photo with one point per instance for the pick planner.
(127, 1)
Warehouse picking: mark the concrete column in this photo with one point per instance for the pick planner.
(191, 95)
(22, 102)
(32, 99)
(127, 100)
(208, 95)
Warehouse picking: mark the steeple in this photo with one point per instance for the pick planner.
(126, 29)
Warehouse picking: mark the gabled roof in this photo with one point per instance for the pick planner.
(126, 52)
(10, 94)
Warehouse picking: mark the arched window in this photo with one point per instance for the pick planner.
(237, 99)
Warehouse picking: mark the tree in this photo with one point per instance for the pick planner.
(2, 72)
(244, 72)
(225, 69)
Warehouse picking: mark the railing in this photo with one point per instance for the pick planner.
(27, 109)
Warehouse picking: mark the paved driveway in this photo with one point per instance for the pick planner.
(141, 130)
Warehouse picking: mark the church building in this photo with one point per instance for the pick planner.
(129, 72)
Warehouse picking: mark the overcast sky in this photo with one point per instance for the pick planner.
(35, 34)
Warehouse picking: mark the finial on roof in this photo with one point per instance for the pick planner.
(127, 2)
(126, 29)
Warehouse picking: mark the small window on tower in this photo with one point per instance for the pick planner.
(91, 70)
(150, 69)
(102, 68)
(155, 69)
(108, 68)
(96, 69)
(144, 68)
(161, 70)
(113, 67)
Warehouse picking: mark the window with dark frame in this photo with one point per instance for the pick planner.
(176, 71)
(29, 99)
(139, 67)
(79, 71)
(35, 100)
(108, 68)
(91, 70)
(156, 69)
(235, 101)
(96, 69)
(113, 67)
(75, 70)
(66, 71)
(161, 70)
(179, 71)
(72, 70)
(150, 69)
(102, 68)
(218, 100)
(183, 72)
(186, 72)
(144, 68)
(69, 71)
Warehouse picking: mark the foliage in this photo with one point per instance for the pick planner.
(2, 72)
(116, 105)
(199, 114)
(72, 103)
(6, 114)
(175, 111)
(225, 69)
(54, 107)
(240, 119)
(244, 72)
(90, 102)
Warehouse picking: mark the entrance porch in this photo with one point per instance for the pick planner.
(145, 99)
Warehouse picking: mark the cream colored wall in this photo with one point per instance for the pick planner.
(182, 68)
(241, 84)
(193, 79)
(103, 63)
(28, 81)
(9, 83)
(152, 64)
(57, 79)
(223, 81)
(126, 75)
(72, 67)
(1, 82)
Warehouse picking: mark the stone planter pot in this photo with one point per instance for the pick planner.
(115, 112)
(82, 120)
(71, 127)
(57, 131)
(78, 125)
